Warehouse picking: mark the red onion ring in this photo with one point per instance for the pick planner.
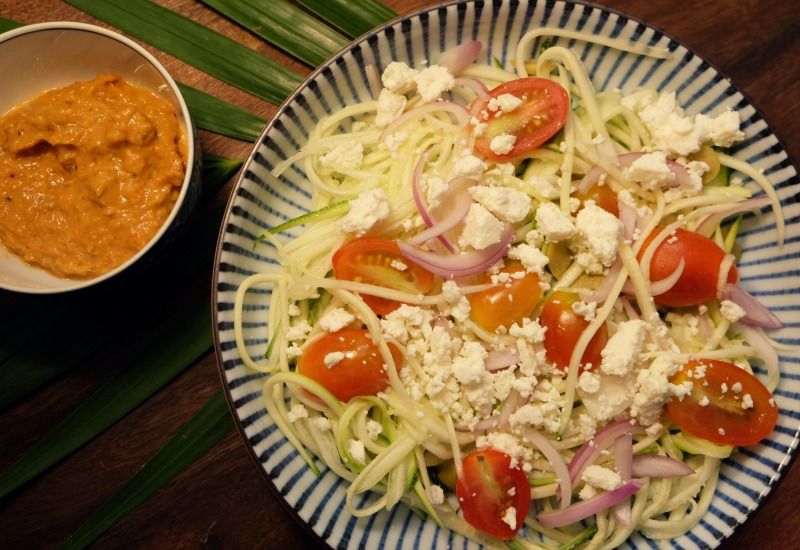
(590, 450)
(623, 458)
(456, 212)
(473, 84)
(590, 179)
(502, 358)
(512, 403)
(629, 218)
(756, 314)
(659, 466)
(459, 265)
(460, 57)
(556, 461)
(419, 200)
(587, 508)
(459, 111)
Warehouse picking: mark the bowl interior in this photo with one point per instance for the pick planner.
(51, 55)
(261, 201)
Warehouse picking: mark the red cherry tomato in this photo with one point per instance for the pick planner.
(370, 260)
(603, 196)
(542, 114)
(507, 303)
(487, 488)
(702, 258)
(564, 327)
(360, 372)
(720, 417)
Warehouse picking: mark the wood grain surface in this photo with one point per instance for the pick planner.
(222, 501)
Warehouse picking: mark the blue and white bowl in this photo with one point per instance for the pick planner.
(261, 201)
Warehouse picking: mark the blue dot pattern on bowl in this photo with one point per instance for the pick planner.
(262, 201)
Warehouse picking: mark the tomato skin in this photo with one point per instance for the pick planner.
(564, 327)
(369, 259)
(483, 492)
(361, 372)
(702, 258)
(541, 115)
(603, 196)
(506, 303)
(739, 426)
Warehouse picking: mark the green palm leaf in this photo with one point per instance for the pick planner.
(207, 50)
(207, 428)
(7, 24)
(353, 17)
(285, 26)
(220, 117)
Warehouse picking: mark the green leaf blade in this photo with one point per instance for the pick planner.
(353, 17)
(8, 24)
(197, 45)
(202, 432)
(220, 117)
(285, 26)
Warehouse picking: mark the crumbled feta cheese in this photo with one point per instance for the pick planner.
(357, 451)
(553, 223)
(653, 390)
(332, 358)
(504, 102)
(469, 367)
(432, 82)
(731, 311)
(390, 106)
(436, 494)
(623, 348)
(435, 188)
(321, 423)
(747, 401)
(589, 382)
(601, 478)
(721, 431)
(586, 310)
(365, 211)
(456, 304)
(510, 517)
(530, 331)
(598, 235)
(468, 166)
(293, 351)
(722, 130)
(393, 141)
(398, 265)
(298, 331)
(293, 310)
(374, 429)
(507, 204)
(669, 129)
(737, 387)
(587, 492)
(704, 401)
(546, 187)
(336, 319)
(399, 77)
(651, 170)
(533, 259)
(612, 398)
(481, 228)
(296, 413)
(505, 443)
(347, 156)
(407, 323)
(526, 415)
(502, 144)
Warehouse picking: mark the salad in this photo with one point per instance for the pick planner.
(515, 305)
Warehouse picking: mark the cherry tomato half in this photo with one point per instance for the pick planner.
(375, 261)
(702, 258)
(507, 303)
(360, 371)
(487, 488)
(564, 327)
(720, 417)
(543, 112)
(603, 196)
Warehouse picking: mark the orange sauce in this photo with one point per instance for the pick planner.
(88, 174)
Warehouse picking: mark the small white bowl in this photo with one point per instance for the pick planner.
(39, 57)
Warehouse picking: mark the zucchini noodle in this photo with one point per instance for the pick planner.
(450, 383)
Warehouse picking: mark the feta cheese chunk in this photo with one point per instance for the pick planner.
(357, 450)
(432, 82)
(599, 234)
(502, 144)
(552, 223)
(296, 413)
(507, 204)
(390, 106)
(505, 103)
(732, 311)
(722, 130)
(533, 259)
(601, 478)
(651, 170)
(469, 166)
(481, 228)
(623, 348)
(348, 156)
(398, 77)
(336, 319)
(365, 211)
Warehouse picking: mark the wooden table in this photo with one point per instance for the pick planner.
(222, 500)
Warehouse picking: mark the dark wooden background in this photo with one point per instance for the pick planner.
(223, 500)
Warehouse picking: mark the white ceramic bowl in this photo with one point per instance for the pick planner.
(40, 57)
(260, 201)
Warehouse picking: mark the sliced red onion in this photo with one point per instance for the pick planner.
(459, 265)
(764, 349)
(602, 440)
(623, 458)
(756, 314)
(556, 461)
(460, 57)
(374, 80)
(588, 508)
(459, 111)
(709, 225)
(590, 179)
(629, 311)
(629, 217)
(419, 200)
(501, 358)
(458, 210)
(473, 84)
(659, 466)
(678, 169)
